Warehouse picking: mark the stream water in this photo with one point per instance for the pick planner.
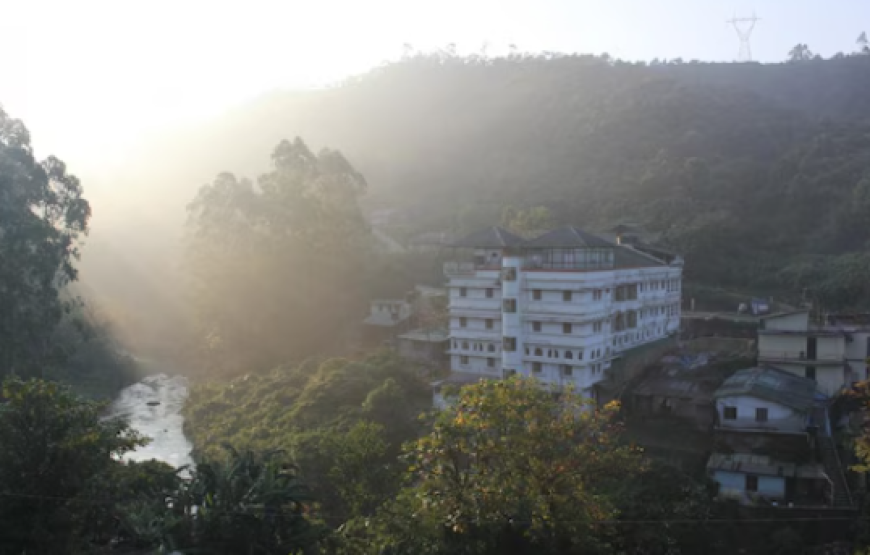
(153, 406)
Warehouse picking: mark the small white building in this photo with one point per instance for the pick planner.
(752, 479)
(766, 400)
(560, 307)
(833, 355)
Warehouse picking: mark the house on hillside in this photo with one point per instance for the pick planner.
(833, 354)
(428, 346)
(759, 480)
(773, 441)
(387, 318)
(767, 399)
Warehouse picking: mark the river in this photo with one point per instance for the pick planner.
(153, 407)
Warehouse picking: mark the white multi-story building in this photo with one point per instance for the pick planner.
(560, 307)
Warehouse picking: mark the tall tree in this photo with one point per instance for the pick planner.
(274, 267)
(42, 214)
(863, 43)
(511, 467)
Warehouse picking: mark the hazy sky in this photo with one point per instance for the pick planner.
(86, 75)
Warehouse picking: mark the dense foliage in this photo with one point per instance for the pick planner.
(343, 421)
(275, 266)
(758, 173)
(42, 215)
(55, 447)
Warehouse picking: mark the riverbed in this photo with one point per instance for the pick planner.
(153, 407)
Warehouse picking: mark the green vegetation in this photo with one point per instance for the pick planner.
(757, 173)
(343, 421)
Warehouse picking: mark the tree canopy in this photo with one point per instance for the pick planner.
(42, 216)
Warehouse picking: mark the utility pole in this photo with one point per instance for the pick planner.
(744, 26)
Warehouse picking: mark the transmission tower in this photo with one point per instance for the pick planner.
(744, 27)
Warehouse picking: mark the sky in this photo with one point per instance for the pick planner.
(89, 76)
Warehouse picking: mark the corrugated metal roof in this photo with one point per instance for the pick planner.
(762, 465)
(490, 238)
(771, 384)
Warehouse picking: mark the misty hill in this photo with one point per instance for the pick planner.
(760, 174)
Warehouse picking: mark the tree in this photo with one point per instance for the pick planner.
(863, 43)
(511, 467)
(250, 504)
(274, 268)
(54, 445)
(42, 215)
(800, 53)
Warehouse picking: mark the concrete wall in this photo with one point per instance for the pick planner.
(779, 417)
(790, 322)
(829, 379)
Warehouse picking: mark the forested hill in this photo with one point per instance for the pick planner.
(760, 174)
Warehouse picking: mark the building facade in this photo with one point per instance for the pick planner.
(561, 307)
(834, 354)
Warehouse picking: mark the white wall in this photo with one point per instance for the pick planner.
(779, 417)
(792, 322)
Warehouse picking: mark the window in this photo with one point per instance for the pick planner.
(751, 482)
(509, 344)
(463, 292)
(489, 293)
(536, 326)
(567, 371)
(490, 363)
(509, 373)
(509, 305)
(539, 352)
(632, 319)
(463, 359)
(569, 355)
(465, 345)
(730, 413)
(536, 294)
(566, 296)
(509, 274)
(810, 372)
(579, 355)
(537, 367)
(596, 295)
(761, 414)
(463, 321)
(490, 348)
(567, 327)
(455, 344)
(596, 327)
(489, 323)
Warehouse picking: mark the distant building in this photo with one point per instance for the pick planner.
(386, 319)
(561, 307)
(834, 354)
(759, 479)
(774, 442)
(427, 346)
(766, 399)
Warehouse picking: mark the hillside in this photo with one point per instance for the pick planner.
(758, 173)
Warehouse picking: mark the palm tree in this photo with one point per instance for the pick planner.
(251, 504)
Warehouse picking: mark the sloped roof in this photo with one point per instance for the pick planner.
(626, 257)
(770, 384)
(490, 238)
(568, 237)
